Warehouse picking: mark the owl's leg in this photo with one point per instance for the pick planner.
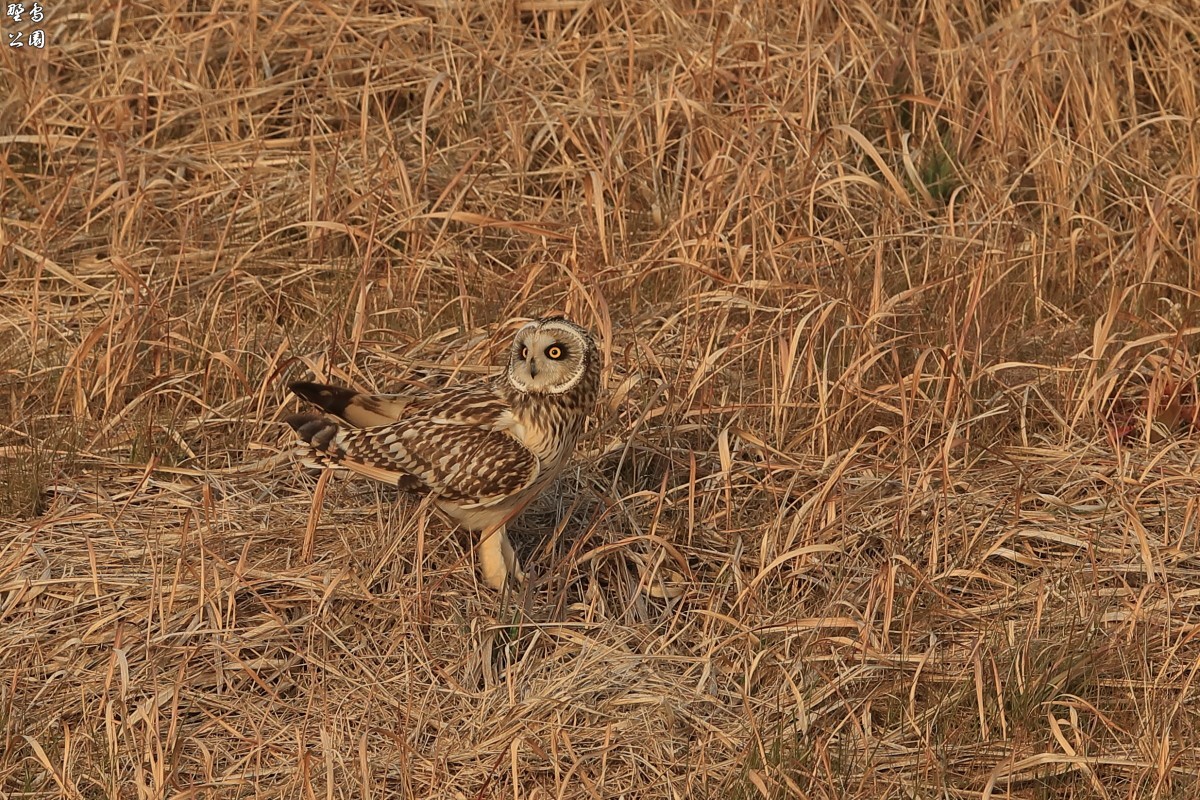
(510, 558)
(496, 558)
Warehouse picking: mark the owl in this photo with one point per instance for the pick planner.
(483, 451)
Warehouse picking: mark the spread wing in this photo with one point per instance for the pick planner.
(468, 463)
(363, 410)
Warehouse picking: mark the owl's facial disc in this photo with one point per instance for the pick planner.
(548, 357)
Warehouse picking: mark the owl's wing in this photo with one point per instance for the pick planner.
(465, 463)
(364, 410)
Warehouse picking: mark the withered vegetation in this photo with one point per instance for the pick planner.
(894, 489)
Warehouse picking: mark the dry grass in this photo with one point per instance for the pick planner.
(874, 283)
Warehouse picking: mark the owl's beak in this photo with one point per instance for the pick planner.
(532, 368)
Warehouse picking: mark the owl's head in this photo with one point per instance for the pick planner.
(550, 356)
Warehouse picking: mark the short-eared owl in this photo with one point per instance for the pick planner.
(482, 450)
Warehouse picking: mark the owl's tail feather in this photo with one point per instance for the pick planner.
(320, 447)
(330, 399)
(360, 410)
(328, 443)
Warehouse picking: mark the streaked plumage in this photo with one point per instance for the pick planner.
(483, 450)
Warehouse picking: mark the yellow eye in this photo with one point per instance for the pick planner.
(524, 352)
(554, 352)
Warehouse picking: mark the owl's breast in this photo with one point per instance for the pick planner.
(548, 430)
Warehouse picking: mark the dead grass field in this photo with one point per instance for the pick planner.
(899, 306)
